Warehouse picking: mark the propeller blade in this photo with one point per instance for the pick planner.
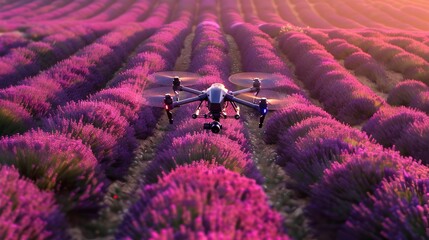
(166, 78)
(154, 97)
(276, 100)
(245, 79)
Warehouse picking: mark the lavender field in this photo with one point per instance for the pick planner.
(85, 155)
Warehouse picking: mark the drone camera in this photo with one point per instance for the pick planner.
(215, 126)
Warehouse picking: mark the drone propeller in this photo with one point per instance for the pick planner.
(166, 78)
(276, 100)
(246, 79)
(154, 97)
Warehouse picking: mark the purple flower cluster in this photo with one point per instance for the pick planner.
(202, 201)
(211, 147)
(316, 147)
(347, 184)
(410, 93)
(13, 118)
(26, 212)
(398, 209)
(340, 92)
(289, 116)
(11, 41)
(340, 49)
(55, 162)
(399, 127)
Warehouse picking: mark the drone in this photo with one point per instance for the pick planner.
(217, 97)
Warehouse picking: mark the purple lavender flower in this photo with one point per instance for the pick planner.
(388, 124)
(397, 210)
(55, 162)
(405, 92)
(414, 141)
(213, 148)
(349, 183)
(286, 118)
(26, 211)
(13, 118)
(202, 201)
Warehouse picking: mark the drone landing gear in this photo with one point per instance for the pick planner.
(236, 109)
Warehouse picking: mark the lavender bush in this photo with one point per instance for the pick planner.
(202, 201)
(55, 162)
(13, 118)
(397, 210)
(286, 118)
(349, 183)
(27, 212)
(210, 147)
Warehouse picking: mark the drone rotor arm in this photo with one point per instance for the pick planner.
(190, 90)
(246, 90)
(231, 98)
(200, 97)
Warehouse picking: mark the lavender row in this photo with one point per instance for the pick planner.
(25, 15)
(37, 56)
(191, 162)
(202, 200)
(82, 142)
(287, 13)
(268, 12)
(308, 16)
(64, 11)
(340, 92)
(114, 10)
(379, 16)
(348, 12)
(80, 75)
(354, 59)
(110, 120)
(208, 44)
(403, 128)
(11, 41)
(410, 93)
(158, 53)
(259, 55)
(58, 164)
(394, 57)
(340, 169)
(248, 12)
(25, 8)
(137, 12)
